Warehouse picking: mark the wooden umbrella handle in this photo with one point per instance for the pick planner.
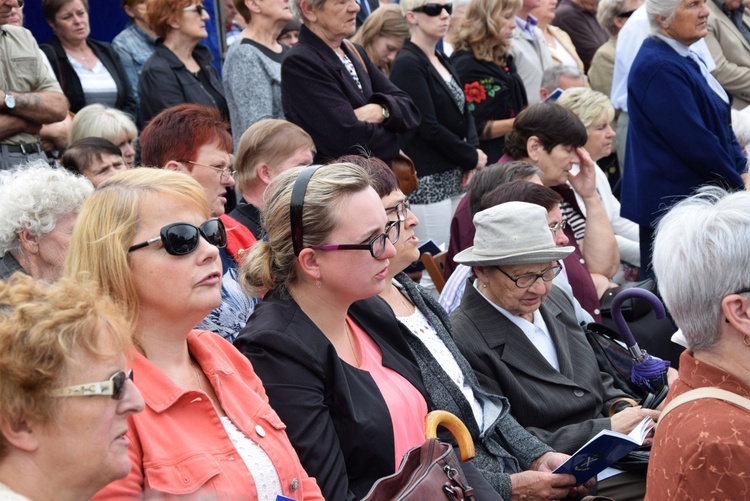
(455, 426)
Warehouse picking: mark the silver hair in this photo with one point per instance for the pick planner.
(551, 76)
(700, 256)
(606, 13)
(662, 8)
(97, 120)
(34, 196)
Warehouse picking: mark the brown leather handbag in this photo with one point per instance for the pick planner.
(403, 167)
(431, 471)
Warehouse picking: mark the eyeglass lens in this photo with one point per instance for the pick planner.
(183, 238)
(118, 383)
(433, 9)
(392, 232)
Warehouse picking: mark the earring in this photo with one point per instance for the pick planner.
(317, 284)
(744, 341)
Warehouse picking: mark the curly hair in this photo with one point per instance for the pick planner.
(33, 197)
(42, 329)
(481, 28)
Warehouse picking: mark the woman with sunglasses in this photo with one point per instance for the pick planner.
(445, 145)
(207, 431)
(180, 70)
(330, 353)
(65, 390)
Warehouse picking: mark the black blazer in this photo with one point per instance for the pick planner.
(166, 82)
(71, 84)
(446, 138)
(319, 95)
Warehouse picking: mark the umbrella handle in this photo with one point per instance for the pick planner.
(616, 309)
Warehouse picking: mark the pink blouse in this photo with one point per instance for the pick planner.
(406, 404)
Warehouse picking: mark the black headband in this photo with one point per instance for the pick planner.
(297, 203)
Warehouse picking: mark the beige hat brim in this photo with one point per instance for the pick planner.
(467, 257)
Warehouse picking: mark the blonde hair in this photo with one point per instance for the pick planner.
(97, 120)
(109, 220)
(271, 263)
(481, 28)
(269, 141)
(41, 329)
(386, 21)
(588, 105)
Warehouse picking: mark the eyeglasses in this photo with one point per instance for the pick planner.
(625, 15)
(557, 228)
(227, 171)
(199, 8)
(180, 239)
(19, 2)
(743, 291)
(527, 280)
(376, 246)
(402, 209)
(433, 9)
(114, 387)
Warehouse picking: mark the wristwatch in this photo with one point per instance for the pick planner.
(386, 113)
(10, 101)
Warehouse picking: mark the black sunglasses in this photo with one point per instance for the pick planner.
(180, 239)
(625, 15)
(199, 8)
(433, 9)
(114, 387)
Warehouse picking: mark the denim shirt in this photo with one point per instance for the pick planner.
(134, 46)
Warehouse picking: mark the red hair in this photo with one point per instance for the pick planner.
(177, 133)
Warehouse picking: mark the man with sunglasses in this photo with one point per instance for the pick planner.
(195, 140)
(29, 94)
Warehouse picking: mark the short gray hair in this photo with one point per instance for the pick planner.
(587, 104)
(97, 120)
(663, 8)
(606, 13)
(700, 256)
(551, 76)
(34, 196)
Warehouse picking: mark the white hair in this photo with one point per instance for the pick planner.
(662, 8)
(700, 256)
(34, 196)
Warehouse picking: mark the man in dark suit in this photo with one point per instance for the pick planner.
(366, 7)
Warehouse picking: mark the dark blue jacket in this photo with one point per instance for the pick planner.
(679, 136)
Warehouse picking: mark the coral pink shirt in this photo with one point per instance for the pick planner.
(405, 403)
(179, 448)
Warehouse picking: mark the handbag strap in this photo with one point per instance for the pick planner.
(353, 48)
(707, 392)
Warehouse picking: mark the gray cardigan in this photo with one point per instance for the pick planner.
(252, 85)
(505, 447)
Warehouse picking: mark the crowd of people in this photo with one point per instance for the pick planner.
(214, 262)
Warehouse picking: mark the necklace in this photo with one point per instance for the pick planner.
(349, 336)
(198, 378)
(404, 302)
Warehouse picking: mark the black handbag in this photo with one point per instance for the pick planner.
(613, 358)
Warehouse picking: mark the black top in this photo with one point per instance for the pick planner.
(446, 137)
(273, 56)
(494, 92)
(249, 216)
(71, 84)
(166, 82)
(319, 95)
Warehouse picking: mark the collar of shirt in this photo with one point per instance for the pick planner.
(681, 49)
(527, 25)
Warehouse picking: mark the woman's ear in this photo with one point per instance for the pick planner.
(308, 12)
(533, 146)
(308, 264)
(411, 18)
(736, 310)
(29, 242)
(263, 171)
(19, 435)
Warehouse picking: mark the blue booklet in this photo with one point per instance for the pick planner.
(605, 449)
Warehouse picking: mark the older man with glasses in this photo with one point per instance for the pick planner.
(29, 94)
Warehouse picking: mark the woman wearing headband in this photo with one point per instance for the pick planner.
(331, 355)
(207, 431)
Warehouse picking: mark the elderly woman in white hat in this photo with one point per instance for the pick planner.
(520, 335)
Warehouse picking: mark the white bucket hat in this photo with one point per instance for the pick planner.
(512, 233)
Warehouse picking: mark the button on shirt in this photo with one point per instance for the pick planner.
(536, 332)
